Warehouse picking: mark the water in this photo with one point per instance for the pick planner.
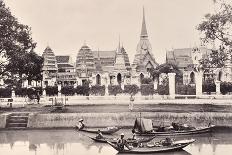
(69, 142)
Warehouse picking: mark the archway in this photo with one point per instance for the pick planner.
(220, 76)
(141, 77)
(119, 78)
(98, 79)
(192, 78)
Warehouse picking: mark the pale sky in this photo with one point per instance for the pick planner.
(64, 25)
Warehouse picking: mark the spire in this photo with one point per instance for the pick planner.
(119, 46)
(144, 28)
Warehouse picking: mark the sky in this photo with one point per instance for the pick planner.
(65, 25)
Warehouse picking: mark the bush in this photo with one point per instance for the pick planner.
(98, 90)
(5, 93)
(209, 87)
(83, 90)
(163, 90)
(114, 89)
(147, 89)
(131, 89)
(28, 91)
(51, 90)
(68, 90)
(182, 89)
(225, 87)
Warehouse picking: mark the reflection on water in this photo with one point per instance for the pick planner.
(69, 142)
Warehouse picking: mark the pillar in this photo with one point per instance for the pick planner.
(107, 78)
(198, 79)
(13, 94)
(155, 84)
(217, 83)
(172, 85)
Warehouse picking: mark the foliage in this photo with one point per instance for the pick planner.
(209, 87)
(168, 68)
(147, 89)
(131, 89)
(68, 90)
(185, 89)
(18, 60)
(5, 92)
(147, 81)
(83, 90)
(51, 90)
(114, 89)
(225, 87)
(19, 91)
(217, 26)
(98, 90)
(163, 90)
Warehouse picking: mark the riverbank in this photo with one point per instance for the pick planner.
(125, 119)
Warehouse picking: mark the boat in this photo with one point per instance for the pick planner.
(107, 130)
(175, 146)
(114, 140)
(143, 127)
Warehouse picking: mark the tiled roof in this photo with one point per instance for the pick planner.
(183, 57)
(64, 65)
(62, 59)
(104, 54)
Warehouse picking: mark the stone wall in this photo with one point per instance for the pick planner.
(67, 120)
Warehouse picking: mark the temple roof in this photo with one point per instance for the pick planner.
(183, 57)
(144, 28)
(62, 59)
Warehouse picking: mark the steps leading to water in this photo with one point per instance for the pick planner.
(17, 121)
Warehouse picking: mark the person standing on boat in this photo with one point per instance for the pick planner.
(121, 143)
(80, 124)
(99, 134)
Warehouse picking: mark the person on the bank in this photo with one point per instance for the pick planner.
(131, 104)
(80, 124)
(38, 97)
(121, 143)
(99, 135)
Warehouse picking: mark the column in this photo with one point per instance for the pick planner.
(107, 84)
(217, 83)
(172, 85)
(198, 80)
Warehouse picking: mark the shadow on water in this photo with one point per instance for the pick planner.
(72, 142)
(181, 152)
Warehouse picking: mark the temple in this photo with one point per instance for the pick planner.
(98, 67)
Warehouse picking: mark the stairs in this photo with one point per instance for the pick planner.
(17, 121)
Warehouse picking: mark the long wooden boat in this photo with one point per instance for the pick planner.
(114, 140)
(174, 132)
(107, 131)
(176, 146)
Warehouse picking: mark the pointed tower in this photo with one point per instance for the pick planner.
(143, 59)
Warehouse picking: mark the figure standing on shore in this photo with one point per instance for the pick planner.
(131, 104)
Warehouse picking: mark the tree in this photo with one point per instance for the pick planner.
(217, 26)
(16, 46)
(168, 68)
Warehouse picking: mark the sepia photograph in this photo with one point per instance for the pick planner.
(111, 77)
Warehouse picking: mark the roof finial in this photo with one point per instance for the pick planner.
(119, 46)
(144, 28)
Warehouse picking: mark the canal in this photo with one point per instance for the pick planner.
(70, 142)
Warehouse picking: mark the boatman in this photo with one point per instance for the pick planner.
(99, 134)
(80, 124)
(121, 143)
